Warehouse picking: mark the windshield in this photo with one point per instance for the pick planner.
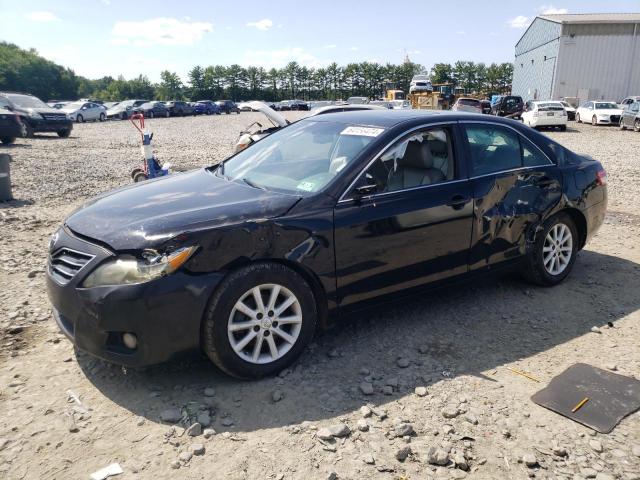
(301, 158)
(26, 101)
(606, 106)
(550, 106)
(469, 102)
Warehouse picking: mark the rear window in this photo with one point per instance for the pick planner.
(550, 107)
(469, 101)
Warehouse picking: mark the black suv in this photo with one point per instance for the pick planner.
(10, 126)
(510, 106)
(227, 106)
(35, 115)
(178, 108)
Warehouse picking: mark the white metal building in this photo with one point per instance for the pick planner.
(588, 56)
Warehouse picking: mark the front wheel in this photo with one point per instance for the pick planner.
(554, 252)
(636, 126)
(594, 120)
(578, 118)
(7, 140)
(103, 117)
(259, 320)
(80, 118)
(64, 133)
(150, 114)
(563, 128)
(166, 114)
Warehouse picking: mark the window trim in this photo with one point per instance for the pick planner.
(522, 167)
(342, 198)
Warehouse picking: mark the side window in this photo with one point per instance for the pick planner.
(423, 158)
(635, 107)
(531, 155)
(493, 149)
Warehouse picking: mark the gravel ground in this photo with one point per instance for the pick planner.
(443, 403)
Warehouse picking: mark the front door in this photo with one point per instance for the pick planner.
(412, 226)
(513, 184)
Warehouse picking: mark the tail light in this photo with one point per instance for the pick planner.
(601, 177)
(563, 113)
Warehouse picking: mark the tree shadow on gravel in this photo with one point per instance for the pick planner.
(464, 330)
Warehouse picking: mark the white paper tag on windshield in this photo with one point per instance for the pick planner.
(362, 131)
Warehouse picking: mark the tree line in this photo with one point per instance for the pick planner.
(25, 71)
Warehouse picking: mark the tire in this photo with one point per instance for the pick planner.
(138, 176)
(167, 114)
(636, 126)
(28, 131)
(563, 128)
(222, 311)
(621, 124)
(64, 133)
(103, 117)
(594, 121)
(79, 118)
(123, 116)
(578, 118)
(8, 140)
(535, 271)
(150, 113)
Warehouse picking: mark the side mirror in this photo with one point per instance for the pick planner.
(364, 190)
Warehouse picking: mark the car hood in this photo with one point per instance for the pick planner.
(608, 111)
(39, 110)
(148, 214)
(269, 112)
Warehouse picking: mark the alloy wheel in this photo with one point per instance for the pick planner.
(265, 323)
(636, 126)
(557, 249)
(594, 121)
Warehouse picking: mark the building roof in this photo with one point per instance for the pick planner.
(593, 18)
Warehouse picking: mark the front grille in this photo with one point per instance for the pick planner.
(65, 263)
(54, 116)
(615, 118)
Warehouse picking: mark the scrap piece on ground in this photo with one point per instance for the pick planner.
(611, 396)
(106, 472)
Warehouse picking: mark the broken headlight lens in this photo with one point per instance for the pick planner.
(127, 271)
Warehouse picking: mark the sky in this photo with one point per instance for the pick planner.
(125, 37)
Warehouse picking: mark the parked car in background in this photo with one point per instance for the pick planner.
(227, 106)
(631, 117)
(510, 106)
(628, 101)
(246, 259)
(35, 115)
(543, 113)
(357, 100)
(381, 103)
(486, 106)
(178, 108)
(571, 111)
(10, 126)
(82, 111)
(299, 105)
(599, 113)
(109, 105)
(472, 105)
(58, 103)
(400, 104)
(244, 107)
(420, 83)
(153, 109)
(124, 109)
(284, 106)
(206, 107)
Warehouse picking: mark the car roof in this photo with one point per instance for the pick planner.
(389, 118)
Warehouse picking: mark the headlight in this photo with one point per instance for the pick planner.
(127, 271)
(36, 115)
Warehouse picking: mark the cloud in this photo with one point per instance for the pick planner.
(519, 22)
(333, 45)
(264, 24)
(551, 10)
(42, 17)
(354, 49)
(279, 58)
(461, 32)
(159, 31)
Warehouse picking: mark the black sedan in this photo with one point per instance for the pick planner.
(247, 258)
(153, 109)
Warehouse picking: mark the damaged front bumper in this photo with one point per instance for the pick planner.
(164, 315)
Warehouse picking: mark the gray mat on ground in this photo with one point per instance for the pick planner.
(611, 397)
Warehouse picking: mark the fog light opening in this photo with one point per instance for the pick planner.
(130, 340)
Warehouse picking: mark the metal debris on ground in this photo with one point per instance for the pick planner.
(524, 374)
(106, 472)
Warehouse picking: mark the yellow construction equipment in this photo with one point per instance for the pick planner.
(391, 95)
(425, 101)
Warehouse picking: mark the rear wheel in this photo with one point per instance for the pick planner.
(138, 176)
(64, 133)
(7, 140)
(80, 118)
(150, 115)
(123, 116)
(636, 126)
(594, 120)
(554, 252)
(102, 117)
(621, 124)
(578, 118)
(563, 128)
(259, 320)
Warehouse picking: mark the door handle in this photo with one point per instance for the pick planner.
(457, 202)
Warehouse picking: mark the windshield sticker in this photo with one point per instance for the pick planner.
(362, 131)
(306, 186)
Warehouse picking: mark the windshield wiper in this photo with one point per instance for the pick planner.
(251, 184)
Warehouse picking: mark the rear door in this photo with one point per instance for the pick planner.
(414, 226)
(513, 185)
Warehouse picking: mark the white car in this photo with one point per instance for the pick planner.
(401, 104)
(599, 113)
(420, 83)
(82, 111)
(545, 113)
(571, 111)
